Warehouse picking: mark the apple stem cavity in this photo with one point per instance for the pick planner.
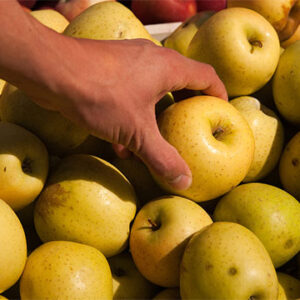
(218, 132)
(26, 165)
(154, 226)
(255, 43)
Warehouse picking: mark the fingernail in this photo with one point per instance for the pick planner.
(182, 182)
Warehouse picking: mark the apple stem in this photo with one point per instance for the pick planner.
(218, 132)
(153, 225)
(255, 43)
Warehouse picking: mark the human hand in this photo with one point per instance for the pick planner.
(111, 88)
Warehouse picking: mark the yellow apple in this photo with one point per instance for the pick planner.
(289, 166)
(13, 248)
(227, 261)
(235, 41)
(86, 200)
(290, 286)
(268, 135)
(128, 282)
(58, 133)
(270, 212)
(159, 235)
(51, 18)
(23, 165)
(108, 20)
(276, 12)
(286, 84)
(66, 270)
(214, 139)
(180, 39)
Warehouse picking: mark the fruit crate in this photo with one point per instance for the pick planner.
(163, 30)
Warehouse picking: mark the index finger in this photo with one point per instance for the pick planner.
(191, 74)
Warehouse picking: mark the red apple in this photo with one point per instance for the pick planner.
(72, 8)
(162, 11)
(214, 5)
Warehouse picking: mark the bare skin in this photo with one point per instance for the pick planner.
(108, 87)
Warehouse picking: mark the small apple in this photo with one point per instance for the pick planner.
(246, 39)
(207, 132)
(214, 5)
(271, 213)
(72, 8)
(286, 84)
(23, 165)
(290, 286)
(289, 166)
(227, 261)
(159, 234)
(268, 135)
(162, 11)
(128, 282)
(13, 250)
(66, 270)
(180, 39)
(86, 200)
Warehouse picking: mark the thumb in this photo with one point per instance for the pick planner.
(165, 161)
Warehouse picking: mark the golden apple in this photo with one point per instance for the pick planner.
(86, 200)
(270, 212)
(66, 270)
(51, 18)
(108, 20)
(235, 41)
(289, 285)
(23, 165)
(214, 139)
(286, 84)
(13, 249)
(227, 261)
(180, 39)
(58, 133)
(268, 135)
(276, 12)
(128, 282)
(289, 166)
(159, 234)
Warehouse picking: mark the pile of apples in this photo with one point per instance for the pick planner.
(77, 222)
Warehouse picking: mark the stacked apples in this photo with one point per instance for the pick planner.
(98, 227)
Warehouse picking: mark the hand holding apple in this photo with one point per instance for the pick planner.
(207, 132)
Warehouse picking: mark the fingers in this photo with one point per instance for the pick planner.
(164, 160)
(194, 75)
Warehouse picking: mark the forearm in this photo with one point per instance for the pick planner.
(32, 56)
